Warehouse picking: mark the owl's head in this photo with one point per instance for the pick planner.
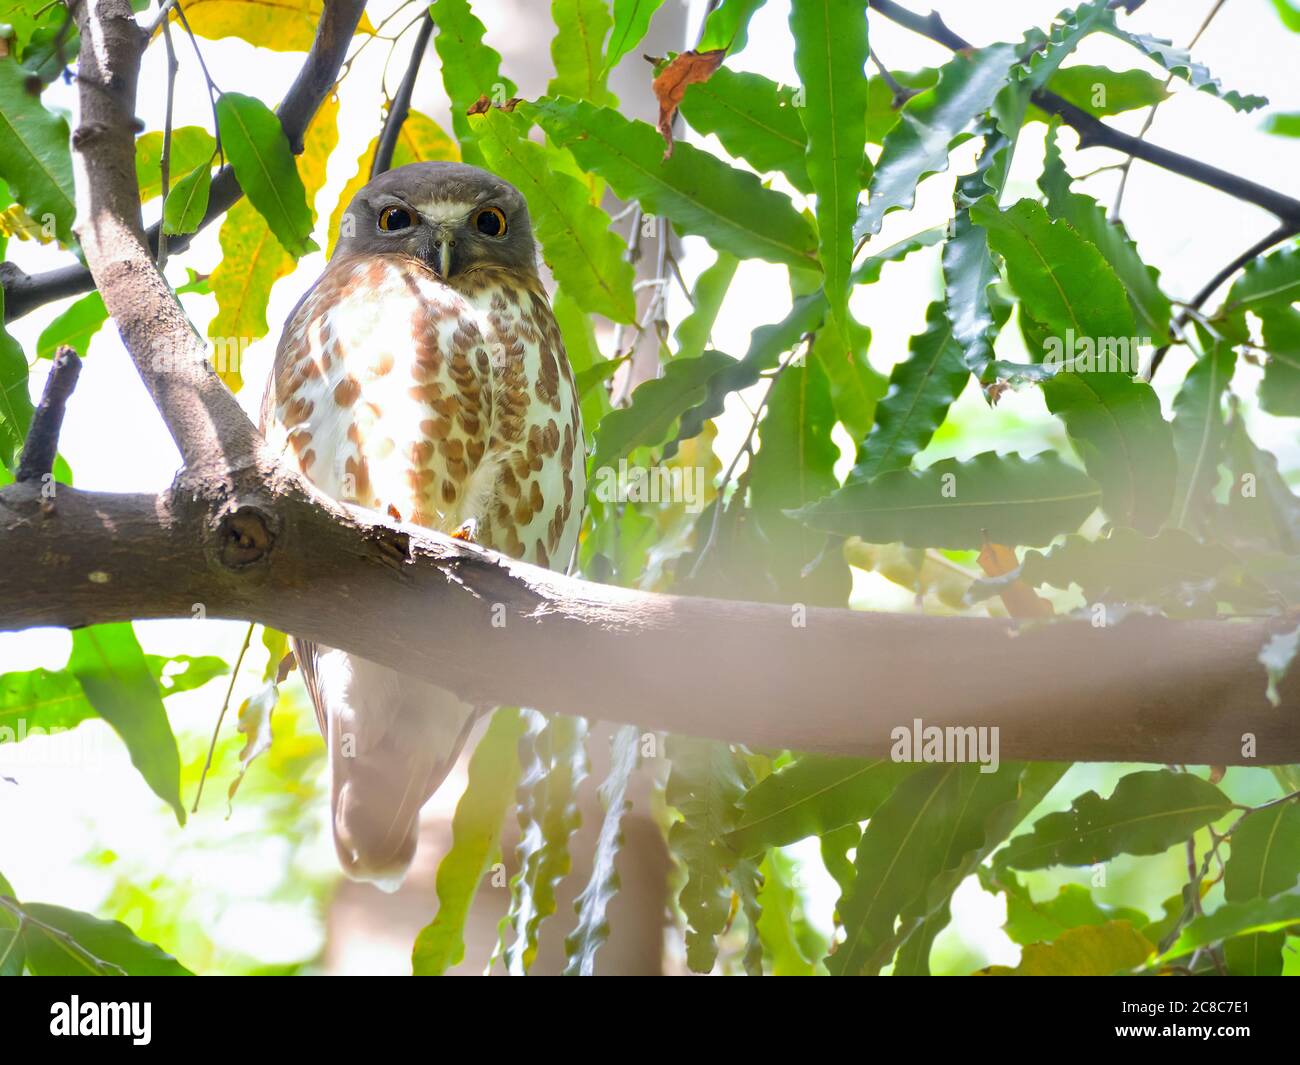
(454, 217)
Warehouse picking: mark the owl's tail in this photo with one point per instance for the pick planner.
(392, 741)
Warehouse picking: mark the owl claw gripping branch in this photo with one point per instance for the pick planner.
(424, 374)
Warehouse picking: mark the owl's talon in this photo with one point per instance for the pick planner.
(468, 531)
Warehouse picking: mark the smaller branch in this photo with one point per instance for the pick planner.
(43, 436)
(161, 20)
(173, 66)
(1189, 311)
(221, 717)
(900, 93)
(401, 105)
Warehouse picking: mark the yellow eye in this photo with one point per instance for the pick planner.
(491, 222)
(392, 219)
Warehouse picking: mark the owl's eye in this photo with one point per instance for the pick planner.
(392, 219)
(491, 222)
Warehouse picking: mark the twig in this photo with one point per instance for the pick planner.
(166, 162)
(900, 93)
(43, 436)
(160, 20)
(1094, 133)
(1189, 310)
(401, 105)
(225, 706)
(1127, 165)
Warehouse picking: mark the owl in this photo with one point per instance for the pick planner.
(423, 376)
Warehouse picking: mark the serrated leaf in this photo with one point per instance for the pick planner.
(113, 672)
(35, 159)
(420, 140)
(921, 389)
(696, 191)
(191, 147)
(1272, 280)
(553, 757)
(631, 21)
(1093, 950)
(1147, 813)
(958, 505)
(655, 407)
(755, 119)
(1200, 432)
(930, 125)
(1101, 91)
(255, 144)
(812, 796)
(1178, 61)
(856, 386)
(1279, 391)
(705, 784)
(791, 943)
(1071, 907)
(587, 258)
(577, 49)
(692, 333)
(830, 57)
(593, 903)
(281, 25)
(475, 843)
(15, 400)
(470, 68)
(1141, 282)
(74, 327)
(1239, 918)
(187, 202)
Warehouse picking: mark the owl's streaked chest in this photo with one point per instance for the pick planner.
(398, 392)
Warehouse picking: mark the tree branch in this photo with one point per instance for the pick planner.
(1093, 133)
(42, 442)
(25, 292)
(401, 105)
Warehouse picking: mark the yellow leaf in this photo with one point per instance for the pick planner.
(421, 140)
(1094, 950)
(280, 25)
(252, 260)
(16, 222)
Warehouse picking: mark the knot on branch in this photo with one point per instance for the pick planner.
(244, 537)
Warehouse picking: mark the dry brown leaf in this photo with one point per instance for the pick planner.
(1021, 601)
(669, 85)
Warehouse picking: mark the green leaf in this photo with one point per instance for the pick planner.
(1199, 429)
(577, 50)
(1277, 656)
(728, 25)
(698, 192)
(108, 942)
(792, 943)
(15, 401)
(704, 786)
(115, 676)
(187, 202)
(655, 407)
(470, 68)
(35, 159)
(1180, 63)
(1239, 918)
(856, 386)
(1265, 861)
(692, 333)
(257, 148)
(593, 903)
(631, 21)
(755, 119)
(1093, 950)
(921, 389)
(1279, 392)
(830, 56)
(913, 845)
(1270, 281)
(475, 843)
(930, 125)
(553, 757)
(588, 260)
(1288, 13)
(1101, 91)
(1072, 907)
(811, 796)
(74, 327)
(1284, 125)
(1147, 813)
(1141, 282)
(1007, 499)
(191, 147)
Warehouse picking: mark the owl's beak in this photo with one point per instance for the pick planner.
(440, 252)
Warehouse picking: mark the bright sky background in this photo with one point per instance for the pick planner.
(114, 440)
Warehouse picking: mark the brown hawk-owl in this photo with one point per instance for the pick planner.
(423, 376)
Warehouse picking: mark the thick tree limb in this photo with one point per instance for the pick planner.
(499, 631)
(246, 538)
(26, 292)
(1093, 133)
